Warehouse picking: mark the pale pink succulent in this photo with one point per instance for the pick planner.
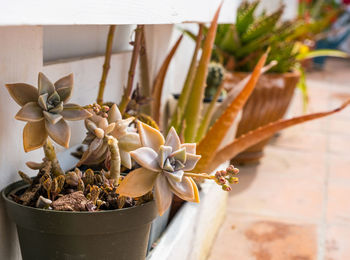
(163, 165)
(99, 128)
(45, 110)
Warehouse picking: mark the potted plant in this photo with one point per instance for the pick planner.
(239, 46)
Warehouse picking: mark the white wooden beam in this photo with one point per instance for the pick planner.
(64, 12)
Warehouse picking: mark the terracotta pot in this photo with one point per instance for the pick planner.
(268, 103)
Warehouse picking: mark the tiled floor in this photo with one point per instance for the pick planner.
(295, 205)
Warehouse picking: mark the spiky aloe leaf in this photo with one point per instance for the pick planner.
(194, 107)
(245, 15)
(209, 145)
(262, 26)
(159, 81)
(178, 115)
(230, 42)
(260, 134)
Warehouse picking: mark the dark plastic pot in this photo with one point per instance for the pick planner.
(48, 234)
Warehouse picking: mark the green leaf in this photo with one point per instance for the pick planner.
(323, 52)
(245, 16)
(262, 26)
(194, 106)
(178, 115)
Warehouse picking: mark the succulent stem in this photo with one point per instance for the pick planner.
(50, 154)
(199, 175)
(106, 64)
(144, 73)
(115, 159)
(135, 54)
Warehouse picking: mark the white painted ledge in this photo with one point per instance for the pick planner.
(192, 231)
(67, 12)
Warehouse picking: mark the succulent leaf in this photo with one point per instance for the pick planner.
(59, 132)
(42, 100)
(65, 82)
(163, 194)
(52, 118)
(34, 135)
(45, 85)
(149, 136)
(164, 153)
(137, 183)
(146, 157)
(191, 161)
(173, 140)
(190, 147)
(183, 189)
(114, 114)
(22, 93)
(30, 112)
(74, 112)
(64, 93)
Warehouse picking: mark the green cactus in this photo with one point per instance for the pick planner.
(214, 79)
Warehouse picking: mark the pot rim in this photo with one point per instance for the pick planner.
(15, 186)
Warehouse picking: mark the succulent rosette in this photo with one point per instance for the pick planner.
(46, 110)
(163, 166)
(99, 128)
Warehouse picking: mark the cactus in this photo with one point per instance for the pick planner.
(214, 79)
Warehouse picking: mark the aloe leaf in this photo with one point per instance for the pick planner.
(178, 115)
(245, 16)
(234, 92)
(208, 114)
(262, 26)
(260, 134)
(194, 106)
(209, 145)
(324, 52)
(159, 82)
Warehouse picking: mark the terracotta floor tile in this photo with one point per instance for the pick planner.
(339, 144)
(302, 138)
(284, 184)
(339, 167)
(339, 126)
(337, 242)
(338, 206)
(246, 237)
